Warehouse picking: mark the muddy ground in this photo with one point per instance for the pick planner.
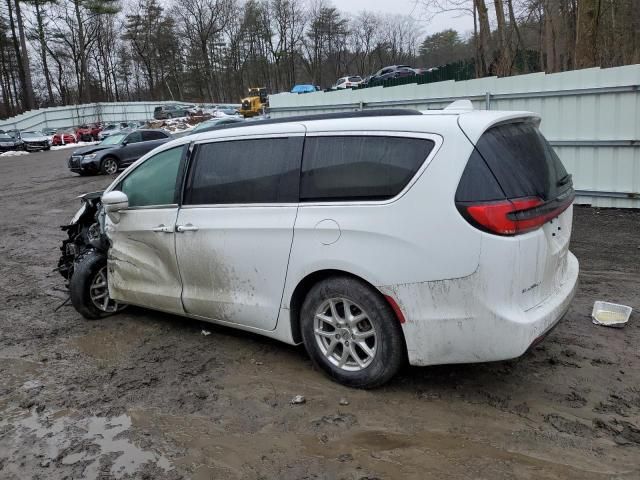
(146, 395)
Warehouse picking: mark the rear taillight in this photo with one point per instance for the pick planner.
(515, 216)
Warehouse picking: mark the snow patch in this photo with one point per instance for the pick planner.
(14, 153)
(73, 145)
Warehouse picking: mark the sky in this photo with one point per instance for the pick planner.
(443, 21)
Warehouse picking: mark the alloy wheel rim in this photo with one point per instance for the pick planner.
(110, 166)
(345, 334)
(99, 293)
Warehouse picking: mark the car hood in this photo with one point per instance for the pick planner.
(92, 149)
(8, 140)
(35, 139)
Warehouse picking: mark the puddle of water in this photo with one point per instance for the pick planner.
(94, 436)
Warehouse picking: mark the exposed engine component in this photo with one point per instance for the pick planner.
(84, 234)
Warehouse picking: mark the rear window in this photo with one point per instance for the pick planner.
(359, 167)
(513, 160)
(355, 79)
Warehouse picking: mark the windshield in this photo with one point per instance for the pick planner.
(31, 134)
(113, 139)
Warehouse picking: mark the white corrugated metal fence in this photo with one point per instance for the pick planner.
(591, 116)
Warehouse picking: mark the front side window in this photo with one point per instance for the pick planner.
(245, 171)
(359, 167)
(156, 181)
(134, 137)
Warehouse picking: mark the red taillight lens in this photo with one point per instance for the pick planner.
(515, 216)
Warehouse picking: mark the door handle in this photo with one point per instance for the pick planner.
(186, 228)
(161, 228)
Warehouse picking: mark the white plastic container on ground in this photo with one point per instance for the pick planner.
(610, 314)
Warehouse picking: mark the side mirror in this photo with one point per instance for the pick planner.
(113, 203)
(124, 143)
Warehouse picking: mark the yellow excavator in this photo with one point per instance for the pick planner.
(255, 103)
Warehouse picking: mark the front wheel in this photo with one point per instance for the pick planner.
(89, 290)
(351, 332)
(109, 166)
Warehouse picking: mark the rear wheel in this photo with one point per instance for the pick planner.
(109, 166)
(89, 290)
(351, 332)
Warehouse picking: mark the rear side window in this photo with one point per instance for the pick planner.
(153, 136)
(245, 171)
(522, 161)
(359, 167)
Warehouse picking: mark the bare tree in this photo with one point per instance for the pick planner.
(203, 22)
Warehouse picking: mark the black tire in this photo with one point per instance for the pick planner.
(105, 165)
(85, 271)
(390, 352)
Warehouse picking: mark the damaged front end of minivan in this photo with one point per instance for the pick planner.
(85, 234)
(83, 262)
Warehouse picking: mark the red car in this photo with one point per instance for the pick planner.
(86, 133)
(63, 137)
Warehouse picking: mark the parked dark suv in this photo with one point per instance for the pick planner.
(170, 111)
(115, 152)
(394, 71)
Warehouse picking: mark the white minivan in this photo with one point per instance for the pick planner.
(373, 238)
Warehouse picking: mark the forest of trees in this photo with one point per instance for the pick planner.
(57, 52)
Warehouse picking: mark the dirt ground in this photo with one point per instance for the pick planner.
(145, 395)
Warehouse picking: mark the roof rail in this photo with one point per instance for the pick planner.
(378, 112)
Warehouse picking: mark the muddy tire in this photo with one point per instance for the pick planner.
(88, 287)
(109, 166)
(351, 332)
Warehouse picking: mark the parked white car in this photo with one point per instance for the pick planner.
(34, 140)
(371, 237)
(348, 82)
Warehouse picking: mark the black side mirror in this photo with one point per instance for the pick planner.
(124, 143)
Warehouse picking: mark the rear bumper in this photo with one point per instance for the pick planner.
(449, 321)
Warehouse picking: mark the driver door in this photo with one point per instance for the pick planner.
(142, 267)
(133, 149)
